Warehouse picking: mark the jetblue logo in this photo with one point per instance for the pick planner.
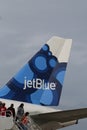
(38, 84)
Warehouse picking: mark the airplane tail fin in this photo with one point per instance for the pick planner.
(40, 81)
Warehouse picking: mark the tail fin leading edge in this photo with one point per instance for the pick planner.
(40, 81)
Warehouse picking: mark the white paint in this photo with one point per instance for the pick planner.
(60, 47)
(31, 108)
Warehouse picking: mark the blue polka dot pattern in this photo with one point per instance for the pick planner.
(44, 65)
(45, 48)
(52, 62)
(40, 63)
(46, 97)
(60, 76)
(49, 53)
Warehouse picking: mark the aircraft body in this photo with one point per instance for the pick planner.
(39, 85)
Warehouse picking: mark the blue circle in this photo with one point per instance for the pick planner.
(45, 48)
(40, 63)
(52, 62)
(60, 76)
(47, 97)
(49, 53)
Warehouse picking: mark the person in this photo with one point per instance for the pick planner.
(25, 121)
(20, 112)
(10, 110)
(0, 104)
(3, 109)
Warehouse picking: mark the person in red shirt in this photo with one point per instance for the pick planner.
(25, 121)
(3, 110)
(25, 118)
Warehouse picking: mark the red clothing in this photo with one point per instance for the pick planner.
(3, 111)
(25, 120)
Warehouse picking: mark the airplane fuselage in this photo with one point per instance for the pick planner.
(28, 107)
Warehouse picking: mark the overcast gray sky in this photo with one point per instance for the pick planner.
(25, 25)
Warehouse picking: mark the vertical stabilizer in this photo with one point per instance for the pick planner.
(40, 81)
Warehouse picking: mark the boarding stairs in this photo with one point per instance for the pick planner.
(30, 126)
(8, 123)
